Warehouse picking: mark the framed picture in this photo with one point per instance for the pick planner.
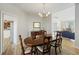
(7, 24)
(36, 25)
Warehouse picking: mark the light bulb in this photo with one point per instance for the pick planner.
(40, 14)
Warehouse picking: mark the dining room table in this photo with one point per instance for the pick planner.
(37, 42)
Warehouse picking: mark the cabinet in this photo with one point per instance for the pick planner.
(34, 33)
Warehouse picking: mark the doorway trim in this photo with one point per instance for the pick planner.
(14, 30)
(1, 17)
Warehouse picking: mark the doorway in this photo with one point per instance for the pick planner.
(8, 37)
(8, 33)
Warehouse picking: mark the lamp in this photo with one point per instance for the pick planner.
(44, 13)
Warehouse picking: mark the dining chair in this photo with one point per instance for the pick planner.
(25, 50)
(57, 44)
(33, 48)
(45, 48)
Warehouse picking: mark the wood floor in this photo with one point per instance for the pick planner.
(68, 48)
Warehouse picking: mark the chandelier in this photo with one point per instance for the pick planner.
(44, 12)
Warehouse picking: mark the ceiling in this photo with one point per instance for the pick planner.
(35, 8)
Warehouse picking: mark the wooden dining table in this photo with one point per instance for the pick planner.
(37, 42)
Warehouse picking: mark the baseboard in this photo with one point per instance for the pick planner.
(72, 40)
(77, 47)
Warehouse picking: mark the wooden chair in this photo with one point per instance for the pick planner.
(57, 43)
(45, 48)
(33, 48)
(25, 51)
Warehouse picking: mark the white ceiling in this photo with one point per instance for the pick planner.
(38, 7)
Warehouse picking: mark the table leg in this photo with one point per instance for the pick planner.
(56, 50)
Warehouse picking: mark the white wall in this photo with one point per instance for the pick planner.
(66, 14)
(29, 21)
(47, 24)
(77, 25)
(62, 17)
(0, 32)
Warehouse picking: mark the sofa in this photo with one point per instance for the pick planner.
(68, 34)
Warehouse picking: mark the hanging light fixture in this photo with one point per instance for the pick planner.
(44, 13)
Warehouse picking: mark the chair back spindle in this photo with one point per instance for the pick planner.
(21, 43)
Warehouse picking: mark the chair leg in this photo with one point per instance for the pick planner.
(56, 50)
(49, 50)
(60, 49)
(32, 51)
(42, 53)
(36, 52)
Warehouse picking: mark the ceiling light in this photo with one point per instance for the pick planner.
(44, 12)
(48, 14)
(40, 14)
